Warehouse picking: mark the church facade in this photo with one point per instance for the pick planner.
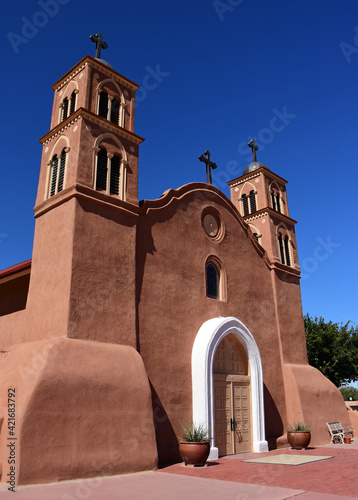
(133, 318)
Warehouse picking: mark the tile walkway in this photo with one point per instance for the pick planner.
(228, 478)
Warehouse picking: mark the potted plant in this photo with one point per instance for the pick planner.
(299, 435)
(194, 444)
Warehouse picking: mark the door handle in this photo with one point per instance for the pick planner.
(232, 424)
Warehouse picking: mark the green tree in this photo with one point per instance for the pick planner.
(333, 349)
(349, 392)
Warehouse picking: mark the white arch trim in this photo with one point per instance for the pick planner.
(206, 342)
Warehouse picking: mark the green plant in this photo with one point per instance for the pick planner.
(195, 433)
(299, 427)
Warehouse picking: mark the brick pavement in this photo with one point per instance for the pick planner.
(337, 475)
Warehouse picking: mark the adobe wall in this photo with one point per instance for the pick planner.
(172, 249)
(102, 296)
(83, 410)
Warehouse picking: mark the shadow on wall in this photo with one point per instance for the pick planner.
(273, 422)
(167, 441)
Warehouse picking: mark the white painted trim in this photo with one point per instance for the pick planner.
(206, 342)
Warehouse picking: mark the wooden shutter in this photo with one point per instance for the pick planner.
(115, 175)
(287, 251)
(252, 201)
(245, 204)
(282, 255)
(101, 178)
(54, 175)
(103, 104)
(115, 106)
(73, 103)
(61, 174)
(64, 108)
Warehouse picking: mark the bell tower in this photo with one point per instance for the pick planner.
(261, 198)
(87, 206)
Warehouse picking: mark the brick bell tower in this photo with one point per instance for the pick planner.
(83, 267)
(261, 198)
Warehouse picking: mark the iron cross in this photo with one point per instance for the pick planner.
(209, 165)
(100, 44)
(254, 148)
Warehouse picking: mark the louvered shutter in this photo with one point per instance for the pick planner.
(103, 104)
(245, 204)
(287, 251)
(282, 255)
(101, 179)
(252, 201)
(115, 111)
(54, 175)
(61, 175)
(64, 108)
(115, 175)
(73, 103)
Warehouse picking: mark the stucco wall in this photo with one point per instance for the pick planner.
(172, 249)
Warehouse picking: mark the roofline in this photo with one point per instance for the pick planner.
(102, 67)
(259, 170)
(16, 268)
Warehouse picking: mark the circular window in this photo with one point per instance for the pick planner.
(212, 224)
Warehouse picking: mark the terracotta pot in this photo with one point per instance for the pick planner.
(347, 439)
(194, 453)
(299, 439)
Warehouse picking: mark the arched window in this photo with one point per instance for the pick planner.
(284, 246)
(57, 173)
(212, 280)
(109, 108)
(273, 199)
(245, 204)
(252, 201)
(108, 170)
(73, 102)
(64, 108)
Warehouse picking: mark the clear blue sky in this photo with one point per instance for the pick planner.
(223, 70)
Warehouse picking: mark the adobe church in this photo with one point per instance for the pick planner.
(134, 317)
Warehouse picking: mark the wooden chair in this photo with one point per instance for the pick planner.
(338, 432)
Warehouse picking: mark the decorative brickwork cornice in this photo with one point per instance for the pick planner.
(256, 173)
(272, 213)
(91, 61)
(98, 120)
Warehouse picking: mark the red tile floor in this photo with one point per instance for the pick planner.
(337, 475)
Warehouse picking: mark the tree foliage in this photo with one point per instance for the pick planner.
(333, 349)
(349, 392)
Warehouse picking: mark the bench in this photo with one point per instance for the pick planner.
(338, 432)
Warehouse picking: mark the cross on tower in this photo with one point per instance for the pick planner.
(209, 165)
(100, 44)
(254, 148)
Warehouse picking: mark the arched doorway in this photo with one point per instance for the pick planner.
(232, 397)
(207, 340)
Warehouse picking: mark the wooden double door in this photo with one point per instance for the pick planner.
(232, 414)
(232, 398)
